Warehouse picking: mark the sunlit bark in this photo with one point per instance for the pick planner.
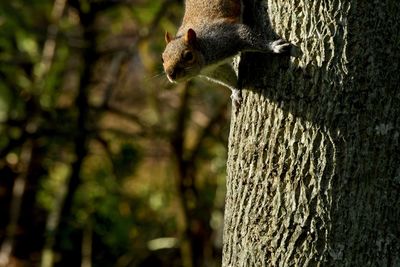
(314, 155)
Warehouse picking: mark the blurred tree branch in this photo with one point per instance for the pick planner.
(49, 46)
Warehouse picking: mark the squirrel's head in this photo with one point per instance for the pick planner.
(182, 59)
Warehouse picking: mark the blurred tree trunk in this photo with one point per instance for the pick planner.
(60, 231)
(24, 162)
(314, 155)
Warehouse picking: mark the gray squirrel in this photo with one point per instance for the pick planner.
(210, 36)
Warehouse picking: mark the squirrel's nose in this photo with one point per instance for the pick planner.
(172, 74)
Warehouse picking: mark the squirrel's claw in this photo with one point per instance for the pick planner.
(280, 46)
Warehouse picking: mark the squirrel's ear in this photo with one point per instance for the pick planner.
(168, 37)
(190, 37)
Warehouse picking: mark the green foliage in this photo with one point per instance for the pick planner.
(127, 192)
(5, 100)
(126, 160)
(145, 13)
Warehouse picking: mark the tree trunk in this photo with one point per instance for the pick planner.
(314, 155)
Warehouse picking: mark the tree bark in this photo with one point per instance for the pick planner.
(314, 155)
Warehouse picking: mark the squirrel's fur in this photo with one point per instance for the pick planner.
(210, 35)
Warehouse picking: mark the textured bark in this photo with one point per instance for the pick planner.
(314, 154)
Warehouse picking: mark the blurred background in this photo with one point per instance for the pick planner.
(103, 162)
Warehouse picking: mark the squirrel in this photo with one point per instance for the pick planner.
(210, 36)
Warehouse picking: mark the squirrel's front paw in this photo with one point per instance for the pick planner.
(280, 46)
(236, 97)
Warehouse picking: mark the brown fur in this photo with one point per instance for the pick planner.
(211, 33)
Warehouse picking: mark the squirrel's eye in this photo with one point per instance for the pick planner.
(188, 56)
(162, 59)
